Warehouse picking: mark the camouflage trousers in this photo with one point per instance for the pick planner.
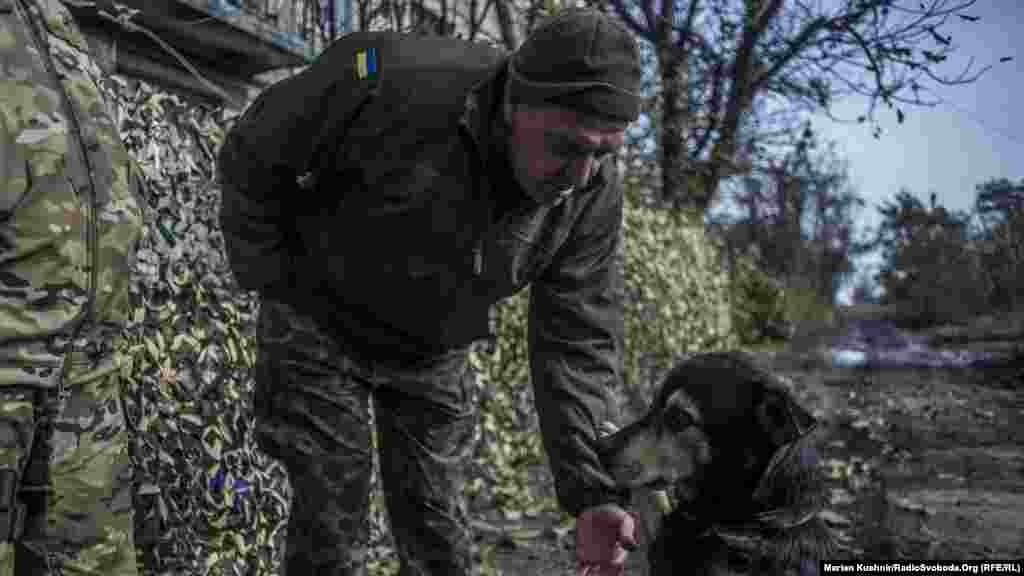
(65, 479)
(312, 408)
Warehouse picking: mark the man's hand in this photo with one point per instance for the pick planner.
(603, 535)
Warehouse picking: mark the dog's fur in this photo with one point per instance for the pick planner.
(738, 454)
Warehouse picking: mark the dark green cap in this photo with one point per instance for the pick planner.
(582, 59)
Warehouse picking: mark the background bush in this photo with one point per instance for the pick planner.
(759, 302)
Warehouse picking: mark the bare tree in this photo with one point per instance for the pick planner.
(799, 211)
(717, 58)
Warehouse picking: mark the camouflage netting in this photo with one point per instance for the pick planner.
(208, 502)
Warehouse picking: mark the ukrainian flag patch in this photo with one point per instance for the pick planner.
(366, 64)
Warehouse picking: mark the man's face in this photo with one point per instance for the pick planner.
(553, 150)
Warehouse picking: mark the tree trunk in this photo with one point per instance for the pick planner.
(473, 20)
(509, 36)
(671, 62)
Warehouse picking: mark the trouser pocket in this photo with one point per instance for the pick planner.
(295, 362)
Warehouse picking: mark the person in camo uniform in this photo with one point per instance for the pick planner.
(70, 222)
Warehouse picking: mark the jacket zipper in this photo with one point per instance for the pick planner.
(88, 314)
(477, 168)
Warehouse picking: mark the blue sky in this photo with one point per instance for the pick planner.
(949, 149)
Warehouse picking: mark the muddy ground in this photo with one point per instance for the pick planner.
(923, 464)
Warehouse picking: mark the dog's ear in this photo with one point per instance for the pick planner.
(781, 418)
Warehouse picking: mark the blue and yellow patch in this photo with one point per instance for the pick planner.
(366, 64)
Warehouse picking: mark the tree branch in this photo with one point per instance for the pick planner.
(631, 22)
(687, 31)
(796, 46)
(741, 93)
(652, 19)
(509, 35)
(874, 65)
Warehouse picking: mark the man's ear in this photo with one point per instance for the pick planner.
(781, 418)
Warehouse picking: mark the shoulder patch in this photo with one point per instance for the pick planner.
(366, 64)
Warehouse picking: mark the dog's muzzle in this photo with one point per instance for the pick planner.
(657, 494)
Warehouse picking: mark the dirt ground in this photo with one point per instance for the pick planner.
(923, 464)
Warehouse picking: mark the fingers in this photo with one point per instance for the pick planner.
(603, 540)
(627, 532)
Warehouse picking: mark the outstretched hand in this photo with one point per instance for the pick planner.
(604, 534)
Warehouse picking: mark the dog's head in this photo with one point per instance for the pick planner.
(718, 426)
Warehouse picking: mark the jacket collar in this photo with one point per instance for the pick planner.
(483, 120)
(482, 112)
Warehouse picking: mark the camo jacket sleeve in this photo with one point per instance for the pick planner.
(70, 215)
(575, 342)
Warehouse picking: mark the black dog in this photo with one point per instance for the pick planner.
(738, 454)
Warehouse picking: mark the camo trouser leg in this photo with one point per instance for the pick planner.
(312, 414)
(314, 418)
(425, 423)
(74, 482)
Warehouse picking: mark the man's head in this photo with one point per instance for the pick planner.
(573, 88)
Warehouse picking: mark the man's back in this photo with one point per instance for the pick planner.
(407, 76)
(388, 205)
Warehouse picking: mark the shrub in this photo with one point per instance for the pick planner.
(759, 303)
